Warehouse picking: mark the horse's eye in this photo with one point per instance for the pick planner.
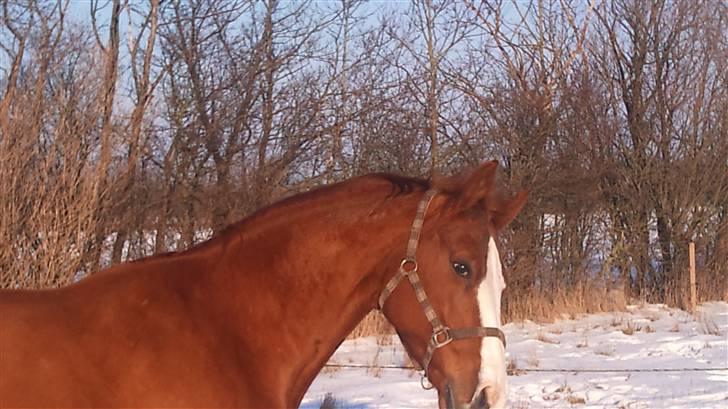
(461, 269)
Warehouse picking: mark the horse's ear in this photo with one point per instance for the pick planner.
(478, 184)
(507, 210)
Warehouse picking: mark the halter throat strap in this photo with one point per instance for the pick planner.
(441, 334)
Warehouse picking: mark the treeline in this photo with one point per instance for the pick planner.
(146, 126)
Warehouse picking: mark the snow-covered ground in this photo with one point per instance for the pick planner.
(644, 337)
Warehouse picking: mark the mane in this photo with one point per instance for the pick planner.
(403, 184)
(400, 185)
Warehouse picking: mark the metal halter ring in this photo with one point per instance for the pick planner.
(425, 382)
(408, 261)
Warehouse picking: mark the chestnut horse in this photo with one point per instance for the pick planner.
(248, 318)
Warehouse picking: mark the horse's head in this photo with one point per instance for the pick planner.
(446, 298)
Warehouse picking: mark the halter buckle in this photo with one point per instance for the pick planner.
(441, 337)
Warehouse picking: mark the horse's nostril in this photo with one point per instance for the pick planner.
(480, 402)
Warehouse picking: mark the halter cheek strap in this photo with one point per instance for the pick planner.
(441, 334)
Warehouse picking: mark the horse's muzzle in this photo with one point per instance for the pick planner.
(480, 401)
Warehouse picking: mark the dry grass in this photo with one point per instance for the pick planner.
(384, 340)
(556, 331)
(583, 343)
(375, 369)
(546, 306)
(520, 404)
(329, 402)
(653, 317)
(330, 369)
(565, 388)
(630, 328)
(533, 361)
(564, 391)
(543, 338)
(575, 400)
(374, 324)
(512, 368)
(535, 306)
(708, 325)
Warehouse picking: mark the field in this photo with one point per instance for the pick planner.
(631, 343)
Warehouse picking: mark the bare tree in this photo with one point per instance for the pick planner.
(647, 53)
(45, 150)
(613, 115)
(141, 53)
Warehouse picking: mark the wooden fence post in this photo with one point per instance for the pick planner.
(693, 289)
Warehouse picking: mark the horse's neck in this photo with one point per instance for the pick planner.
(305, 281)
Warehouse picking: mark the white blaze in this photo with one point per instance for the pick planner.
(492, 375)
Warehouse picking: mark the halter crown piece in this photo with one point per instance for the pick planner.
(441, 334)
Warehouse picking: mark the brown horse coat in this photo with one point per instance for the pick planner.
(246, 319)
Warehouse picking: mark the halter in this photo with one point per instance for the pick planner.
(441, 334)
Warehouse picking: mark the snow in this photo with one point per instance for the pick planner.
(645, 337)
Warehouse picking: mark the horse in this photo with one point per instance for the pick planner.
(249, 317)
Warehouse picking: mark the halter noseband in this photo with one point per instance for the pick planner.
(441, 334)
